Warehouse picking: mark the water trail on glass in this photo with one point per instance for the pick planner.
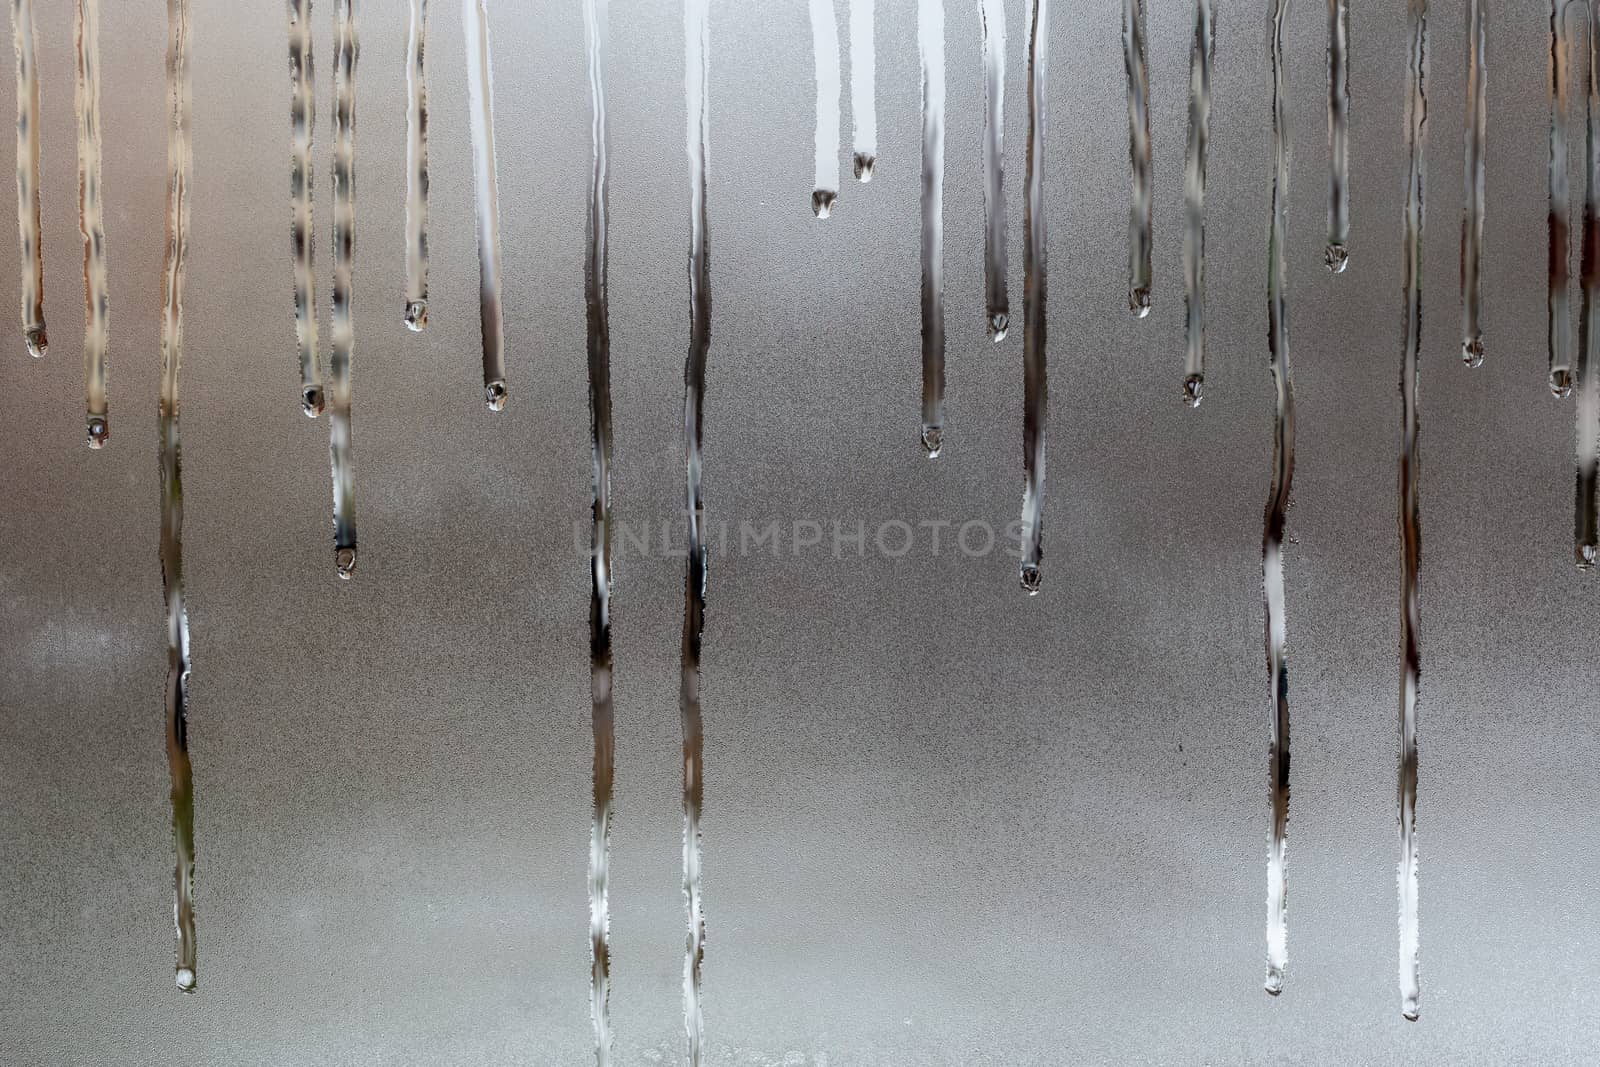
(180, 165)
(1585, 520)
(992, 13)
(302, 230)
(696, 81)
(825, 45)
(347, 52)
(1277, 514)
(28, 227)
(480, 100)
(602, 714)
(930, 43)
(1141, 206)
(1035, 393)
(416, 312)
(1472, 212)
(1559, 305)
(1410, 500)
(863, 87)
(1337, 254)
(1194, 203)
(91, 224)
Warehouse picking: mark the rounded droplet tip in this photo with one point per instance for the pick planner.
(999, 325)
(1337, 257)
(822, 202)
(1409, 1011)
(1561, 383)
(417, 315)
(311, 401)
(38, 342)
(494, 394)
(1472, 352)
(186, 979)
(1139, 301)
(1032, 578)
(932, 440)
(344, 561)
(865, 163)
(1194, 389)
(1274, 983)
(1587, 554)
(99, 431)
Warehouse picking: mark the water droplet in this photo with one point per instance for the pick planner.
(1410, 1012)
(999, 325)
(38, 342)
(932, 440)
(1139, 301)
(865, 164)
(98, 432)
(311, 401)
(344, 561)
(1032, 578)
(822, 202)
(1274, 983)
(1587, 555)
(417, 316)
(1561, 383)
(186, 979)
(1472, 352)
(1337, 257)
(494, 394)
(1193, 389)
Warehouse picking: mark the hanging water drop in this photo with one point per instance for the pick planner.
(494, 394)
(311, 401)
(1193, 390)
(99, 432)
(822, 203)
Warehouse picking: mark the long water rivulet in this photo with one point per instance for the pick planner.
(930, 46)
(1472, 211)
(863, 88)
(91, 224)
(997, 306)
(25, 38)
(1586, 524)
(416, 310)
(696, 83)
(1337, 254)
(1141, 206)
(480, 102)
(1277, 514)
(825, 46)
(1194, 204)
(603, 718)
(1559, 302)
(180, 164)
(1035, 276)
(1411, 498)
(302, 231)
(347, 49)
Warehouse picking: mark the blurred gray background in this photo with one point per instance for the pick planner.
(944, 823)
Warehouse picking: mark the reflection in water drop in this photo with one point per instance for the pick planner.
(1193, 390)
(38, 342)
(417, 316)
(863, 86)
(865, 165)
(344, 561)
(1561, 382)
(999, 326)
(1472, 352)
(932, 441)
(494, 394)
(825, 47)
(311, 401)
(1032, 579)
(1139, 302)
(186, 980)
(1337, 258)
(99, 431)
(822, 203)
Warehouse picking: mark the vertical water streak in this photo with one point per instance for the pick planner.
(416, 312)
(347, 50)
(1337, 255)
(480, 100)
(302, 228)
(1559, 332)
(91, 224)
(25, 38)
(1586, 522)
(603, 717)
(825, 46)
(180, 165)
(1141, 205)
(863, 87)
(1194, 202)
(1277, 514)
(992, 13)
(1410, 499)
(1472, 212)
(930, 45)
(1035, 276)
(696, 83)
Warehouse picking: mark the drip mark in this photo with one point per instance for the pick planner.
(347, 50)
(992, 13)
(1194, 201)
(96, 292)
(480, 98)
(1035, 392)
(1559, 332)
(1472, 212)
(416, 314)
(863, 88)
(302, 228)
(25, 38)
(1337, 255)
(825, 45)
(1277, 514)
(1141, 206)
(1586, 522)
(930, 43)
(180, 165)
